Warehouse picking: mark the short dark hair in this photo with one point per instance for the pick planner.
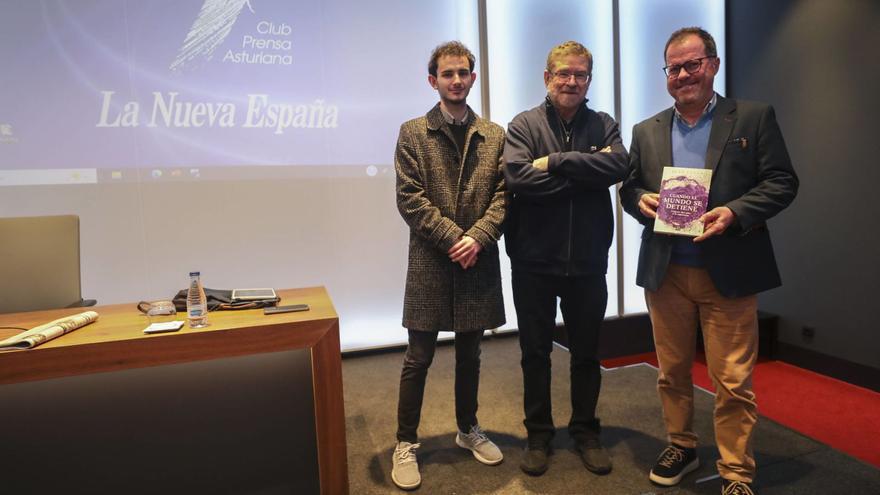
(708, 40)
(451, 49)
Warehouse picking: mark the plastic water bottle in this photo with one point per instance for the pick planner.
(196, 302)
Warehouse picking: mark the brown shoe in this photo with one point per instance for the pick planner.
(593, 455)
(534, 459)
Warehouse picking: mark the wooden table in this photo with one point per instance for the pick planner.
(116, 342)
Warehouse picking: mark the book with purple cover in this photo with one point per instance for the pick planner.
(684, 195)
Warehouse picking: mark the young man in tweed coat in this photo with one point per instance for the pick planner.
(450, 191)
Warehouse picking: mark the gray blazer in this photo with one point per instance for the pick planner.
(752, 175)
(442, 198)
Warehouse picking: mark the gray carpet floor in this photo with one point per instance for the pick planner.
(788, 462)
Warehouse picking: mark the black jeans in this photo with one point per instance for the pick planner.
(418, 358)
(583, 301)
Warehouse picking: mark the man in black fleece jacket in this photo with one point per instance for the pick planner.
(561, 158)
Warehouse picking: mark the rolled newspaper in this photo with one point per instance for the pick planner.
(44, 333)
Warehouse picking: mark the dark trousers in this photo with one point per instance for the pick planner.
(418, 358)
(582, 300)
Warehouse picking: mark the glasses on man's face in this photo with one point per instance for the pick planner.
(564, 76)
(691, 67)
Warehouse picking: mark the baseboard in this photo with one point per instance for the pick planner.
(631, 334)
(620, 336)
(444, 340)
(835, 367)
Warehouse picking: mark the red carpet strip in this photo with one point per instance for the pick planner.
(842, 415)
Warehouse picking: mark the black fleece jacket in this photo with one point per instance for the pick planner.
(560, 221)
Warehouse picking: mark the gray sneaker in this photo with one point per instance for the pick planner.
(477, 442)
(405, 467)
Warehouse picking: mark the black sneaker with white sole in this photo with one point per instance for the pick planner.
(674, 462)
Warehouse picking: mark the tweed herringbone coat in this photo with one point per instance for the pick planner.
(442, 197)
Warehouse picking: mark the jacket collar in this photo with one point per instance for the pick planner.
(436, 121)
(722, 125)
(551, 110)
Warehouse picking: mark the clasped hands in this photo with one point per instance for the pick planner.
(544, 162)
(715, 221)
(464, 252)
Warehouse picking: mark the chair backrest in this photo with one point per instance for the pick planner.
(39, 263)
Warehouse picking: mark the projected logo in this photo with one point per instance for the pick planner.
(210, 29)
(6, 134)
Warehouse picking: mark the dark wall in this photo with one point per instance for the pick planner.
(816, 61)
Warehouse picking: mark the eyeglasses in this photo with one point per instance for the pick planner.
(565, 76)
(691, 67)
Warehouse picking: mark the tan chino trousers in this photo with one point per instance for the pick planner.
(687, 297)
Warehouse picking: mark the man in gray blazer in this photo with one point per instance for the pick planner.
(711, 280)
(450, 192)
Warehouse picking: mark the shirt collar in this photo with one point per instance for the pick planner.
(452, 120)
(706, 111)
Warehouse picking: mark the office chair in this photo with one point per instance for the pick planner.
(39, 264)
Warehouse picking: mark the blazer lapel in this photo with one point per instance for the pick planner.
(722, 125)
(662, 138)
